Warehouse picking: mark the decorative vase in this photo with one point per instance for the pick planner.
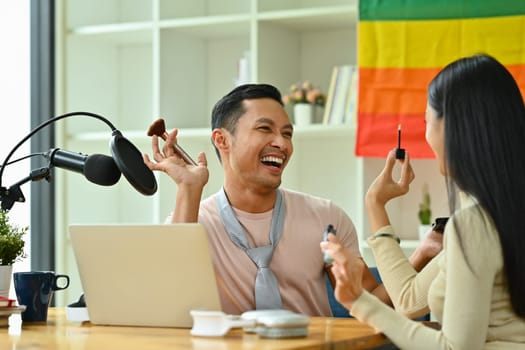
(6, 274)
(303, 114)
(423, 230)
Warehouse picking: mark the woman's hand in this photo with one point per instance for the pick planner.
(384, 188)
(347, 269)
(170, 163)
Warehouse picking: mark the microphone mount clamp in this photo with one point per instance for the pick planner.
(14, 194)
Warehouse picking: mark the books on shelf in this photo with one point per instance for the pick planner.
(337, 114)
(351, 99)
(6, 302)
(342, 96)
(330, 95)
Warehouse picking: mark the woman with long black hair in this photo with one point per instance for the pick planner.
(475, 287)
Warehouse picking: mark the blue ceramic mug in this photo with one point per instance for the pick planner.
(35, 290)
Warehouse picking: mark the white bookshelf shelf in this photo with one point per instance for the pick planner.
(111, 28)
(175, 59)
(408, 246)
(133, 61)
(311, 19)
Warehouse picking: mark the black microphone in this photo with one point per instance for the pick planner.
(97, 168)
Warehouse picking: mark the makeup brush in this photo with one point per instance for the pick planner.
(159, 128)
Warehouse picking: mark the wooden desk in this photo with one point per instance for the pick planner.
(61, 334)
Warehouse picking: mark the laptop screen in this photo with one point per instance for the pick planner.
(145, 275)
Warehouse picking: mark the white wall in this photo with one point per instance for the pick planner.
(14, 106)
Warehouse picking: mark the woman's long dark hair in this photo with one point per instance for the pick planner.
(484, 143)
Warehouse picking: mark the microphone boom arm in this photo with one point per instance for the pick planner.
(126, 157)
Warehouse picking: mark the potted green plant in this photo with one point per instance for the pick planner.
(425, 213)
(11, 250)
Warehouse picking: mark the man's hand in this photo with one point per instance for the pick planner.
(190, 179)
(169, 162)
(429, 247)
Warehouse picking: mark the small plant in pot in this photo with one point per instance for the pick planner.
(425, 213)
(11, 250)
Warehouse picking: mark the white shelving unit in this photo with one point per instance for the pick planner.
(133, 61)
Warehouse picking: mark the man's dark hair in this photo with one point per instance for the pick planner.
(230, 108)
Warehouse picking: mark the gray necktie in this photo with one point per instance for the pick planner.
(267, 294)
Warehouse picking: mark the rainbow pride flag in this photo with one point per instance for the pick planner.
(403, 44)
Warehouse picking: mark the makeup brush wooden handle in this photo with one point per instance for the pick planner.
(159, 128)
(182, 153)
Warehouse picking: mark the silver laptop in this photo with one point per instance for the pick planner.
(145, 275)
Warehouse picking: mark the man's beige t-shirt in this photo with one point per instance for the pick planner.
(297, 260)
